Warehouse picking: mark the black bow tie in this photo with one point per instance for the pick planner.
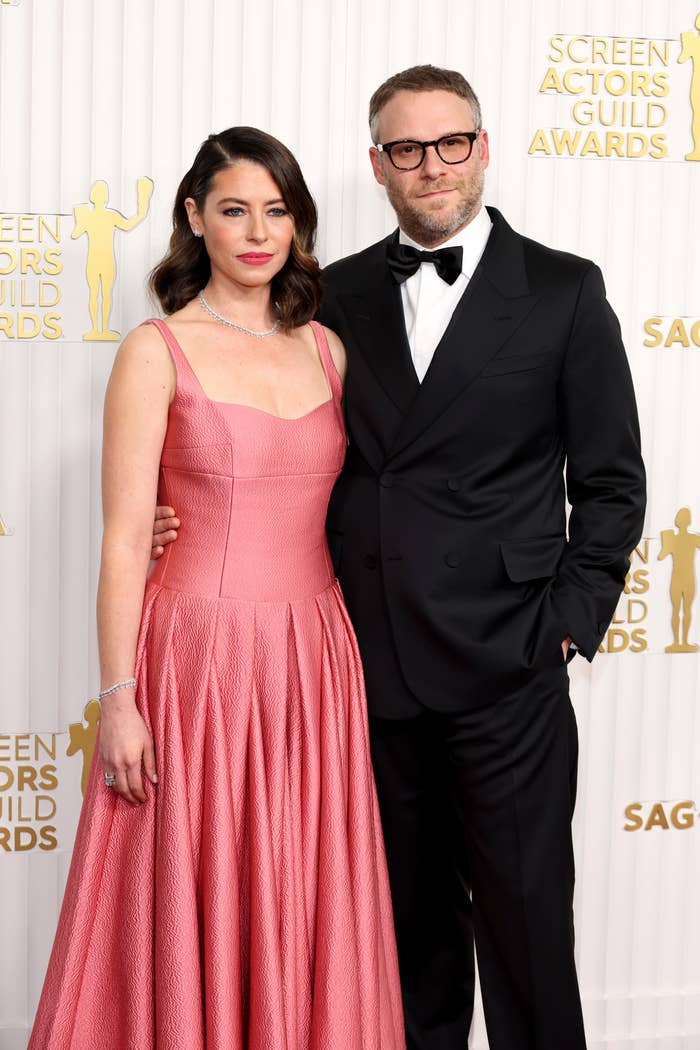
(403, 261)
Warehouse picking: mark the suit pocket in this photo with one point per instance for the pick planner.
(532, 559)
(501, 366)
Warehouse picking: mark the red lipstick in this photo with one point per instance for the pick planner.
(255, 258)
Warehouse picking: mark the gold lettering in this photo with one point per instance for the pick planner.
(661, 81)
(26, 777)
(677, 334)
(683, 815)
(53, 264)
(658, 49)
(592, 145)
(44, 227)
(639, 640)
(634, 820)
(637, 53)
(620, 49)
(48, 838)
(599, 50)
(25, 228)
(564, 141)
(11, 255)
(22, 747)
(28, 325)
(651, 327)
(49, 780)
(539, 144)
(642, 552)
(557, 50)
(636, 610)
(551, 82)
(570, 49)
(657, 818)
(51, 807)
(30, 259)
(568, 79)
(52, 326)
(41, 745)
(614, 143)
(49, 293)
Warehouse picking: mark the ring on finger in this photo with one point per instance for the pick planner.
(110, 779)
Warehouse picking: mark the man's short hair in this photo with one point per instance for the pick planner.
(422, 78)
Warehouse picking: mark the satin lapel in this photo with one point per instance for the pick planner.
(375, 317)
(495, 304)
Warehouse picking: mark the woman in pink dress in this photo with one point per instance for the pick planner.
(228, 887)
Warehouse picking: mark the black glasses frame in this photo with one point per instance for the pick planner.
(386, 147)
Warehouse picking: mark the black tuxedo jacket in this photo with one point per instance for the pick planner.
(448, 524)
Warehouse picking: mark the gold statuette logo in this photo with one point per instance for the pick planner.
(83, 738)
(681, 546)
(99, 224)
(4, 531)
(690, 51)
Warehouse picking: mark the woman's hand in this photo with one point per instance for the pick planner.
(126, 745)
(165, 526)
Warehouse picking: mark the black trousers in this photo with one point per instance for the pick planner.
(484, 799)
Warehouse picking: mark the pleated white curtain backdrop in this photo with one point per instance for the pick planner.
(123, 91)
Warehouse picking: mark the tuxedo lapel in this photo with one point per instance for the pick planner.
(375, 315)
(494, 305)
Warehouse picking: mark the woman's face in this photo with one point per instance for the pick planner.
(246, 226)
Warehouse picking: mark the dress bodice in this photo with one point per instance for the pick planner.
(251, 490)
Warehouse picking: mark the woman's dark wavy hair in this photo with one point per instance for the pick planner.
(185, 269)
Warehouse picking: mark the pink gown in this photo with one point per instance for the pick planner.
(245, 905)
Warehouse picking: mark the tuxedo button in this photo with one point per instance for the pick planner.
(386, 480)
(369, 561)
(454, 484)
(453, 559)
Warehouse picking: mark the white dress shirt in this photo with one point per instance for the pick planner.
(428, 301)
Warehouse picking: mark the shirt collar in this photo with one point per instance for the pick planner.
(472, 240)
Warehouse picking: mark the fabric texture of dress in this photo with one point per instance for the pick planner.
(245, 905)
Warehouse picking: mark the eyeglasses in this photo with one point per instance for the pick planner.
(407, 154)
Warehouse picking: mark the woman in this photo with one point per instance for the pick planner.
(228, 887)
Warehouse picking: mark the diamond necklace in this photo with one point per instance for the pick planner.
(234, 324)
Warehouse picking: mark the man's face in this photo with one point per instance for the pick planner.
(436, 200)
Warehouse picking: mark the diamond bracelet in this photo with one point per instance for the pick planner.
(117, 685)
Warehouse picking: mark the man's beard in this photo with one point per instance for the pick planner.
(429, 228)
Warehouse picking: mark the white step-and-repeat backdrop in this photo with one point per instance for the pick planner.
(593, 108)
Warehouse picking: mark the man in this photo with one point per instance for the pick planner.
(476, 381)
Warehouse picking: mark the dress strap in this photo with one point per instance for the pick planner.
(324, 352)
(183, 369)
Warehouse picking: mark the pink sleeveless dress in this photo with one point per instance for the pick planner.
(245, 905)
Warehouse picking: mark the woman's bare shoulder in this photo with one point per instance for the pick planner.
(337, 350)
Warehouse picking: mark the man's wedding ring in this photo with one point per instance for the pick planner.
(110, 779)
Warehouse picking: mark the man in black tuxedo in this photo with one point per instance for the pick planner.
(485, 385)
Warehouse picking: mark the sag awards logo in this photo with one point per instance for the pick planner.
(47, 291)
(41, 785)
(645, 621)
(668, 816)
(672, 333)
(4, 530)
(621, 98)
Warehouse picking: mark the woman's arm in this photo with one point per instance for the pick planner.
(136, 411)
(337, 351)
